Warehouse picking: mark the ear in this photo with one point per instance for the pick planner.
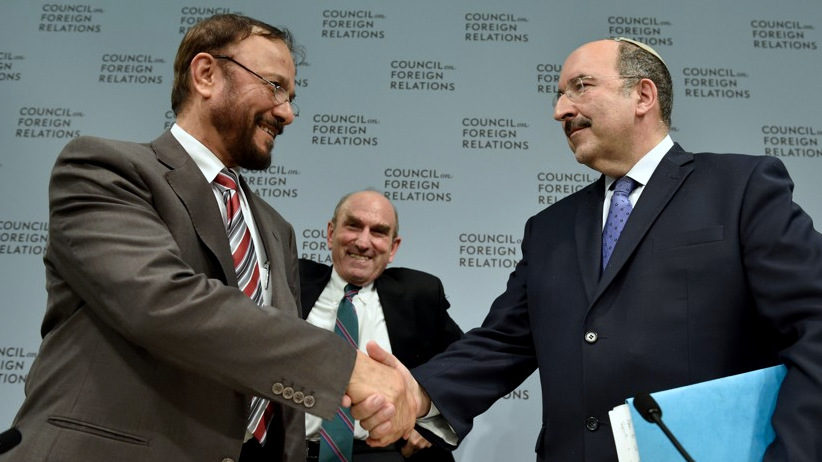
(395, 244)
(647, 97)
(329, 234)
(203, 74)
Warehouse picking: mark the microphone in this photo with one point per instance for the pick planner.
(9, 439)
(648, 408)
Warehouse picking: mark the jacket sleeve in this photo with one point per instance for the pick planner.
(783, 260)
(488, 362)
(115, 227)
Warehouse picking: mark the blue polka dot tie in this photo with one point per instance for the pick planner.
(617, 216)
(337, 434)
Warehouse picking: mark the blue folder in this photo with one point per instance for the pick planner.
(727, 419)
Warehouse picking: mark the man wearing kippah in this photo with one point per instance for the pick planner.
(672, 268)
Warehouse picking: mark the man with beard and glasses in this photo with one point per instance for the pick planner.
(672, 268)
(173, 329)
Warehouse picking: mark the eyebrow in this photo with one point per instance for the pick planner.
(380, 227)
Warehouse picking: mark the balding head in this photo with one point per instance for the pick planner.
(362, 236)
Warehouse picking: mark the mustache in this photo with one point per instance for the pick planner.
(578, 123)
(277, 125)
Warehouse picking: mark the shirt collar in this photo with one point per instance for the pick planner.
(338, 283)
(641, 171)
(208, 163)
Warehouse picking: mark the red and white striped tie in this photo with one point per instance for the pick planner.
(248, 279)
(239, 238)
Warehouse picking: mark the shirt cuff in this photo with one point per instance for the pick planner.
(434, 422)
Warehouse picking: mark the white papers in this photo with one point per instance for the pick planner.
(624, 436)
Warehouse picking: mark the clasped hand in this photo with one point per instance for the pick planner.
(383, 396)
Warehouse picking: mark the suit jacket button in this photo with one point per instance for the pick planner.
(309, 401)
(298, 397)
(288, 392)
(591, 337)
(592, 423)
(277, 388)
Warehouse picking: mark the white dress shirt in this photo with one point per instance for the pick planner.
(641, 173)
(370, 323)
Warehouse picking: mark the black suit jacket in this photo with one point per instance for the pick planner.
(416, 316)
(716, 272)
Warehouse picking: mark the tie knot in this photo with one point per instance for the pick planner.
(624, 185)
(351, 290)
(227, 179)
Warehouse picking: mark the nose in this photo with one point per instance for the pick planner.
(284, 112)
(563, 109)
(362, 240)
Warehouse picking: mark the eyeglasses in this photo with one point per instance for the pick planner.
(576, 87)
(280, 94)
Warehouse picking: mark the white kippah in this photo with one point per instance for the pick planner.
(643, 46)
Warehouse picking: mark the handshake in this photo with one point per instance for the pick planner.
(385, 397)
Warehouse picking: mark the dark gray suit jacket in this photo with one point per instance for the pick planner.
(717, 272)
(149, 351)
(416, 317)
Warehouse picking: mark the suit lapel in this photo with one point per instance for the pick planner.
(394, 310)
(313, 279)
(187, 181)
(588, 231)
(666, 180)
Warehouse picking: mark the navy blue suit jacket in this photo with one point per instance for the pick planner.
(717, 272)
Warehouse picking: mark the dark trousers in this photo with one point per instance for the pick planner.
(361, 453)
(253, 452)
(365, 453)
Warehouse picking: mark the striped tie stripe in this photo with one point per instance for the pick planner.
(346, 419)
(239, 238)
(337, 434)
(332, 445)
(343, 332)
(262, 430)
(248, 279)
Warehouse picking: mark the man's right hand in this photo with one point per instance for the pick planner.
(386, 399)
